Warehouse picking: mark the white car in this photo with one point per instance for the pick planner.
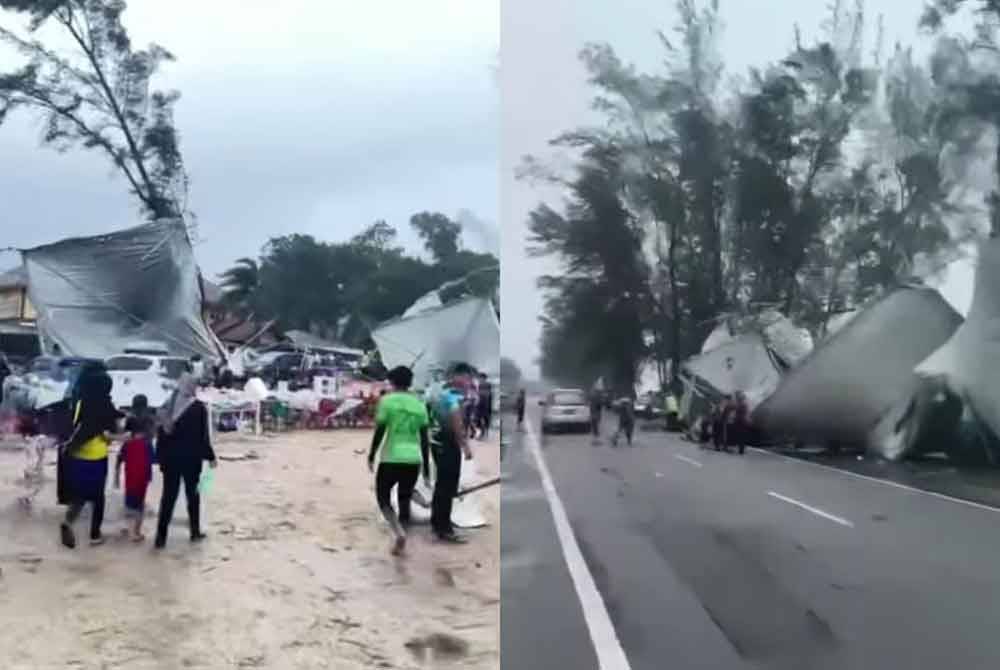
(565, 409)
(140, 374)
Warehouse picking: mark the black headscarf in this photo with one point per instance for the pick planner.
(97, 413)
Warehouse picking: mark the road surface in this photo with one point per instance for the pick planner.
(700, 559)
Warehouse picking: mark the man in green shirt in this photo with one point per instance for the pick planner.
(401, 421)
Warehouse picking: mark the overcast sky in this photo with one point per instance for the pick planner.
(544, 92)
(307, 116)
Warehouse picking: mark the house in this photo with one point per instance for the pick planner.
(14, 302)
(18, 330)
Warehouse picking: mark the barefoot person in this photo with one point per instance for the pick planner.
(86, 455)
(401, 424)
(183, 445)
(137, 457)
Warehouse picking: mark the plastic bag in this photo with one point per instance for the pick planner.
(206, 481)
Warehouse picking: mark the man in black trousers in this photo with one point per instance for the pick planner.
(449, 444)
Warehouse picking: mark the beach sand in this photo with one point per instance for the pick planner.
(295, 573)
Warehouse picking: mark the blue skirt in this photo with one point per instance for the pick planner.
(87, 479)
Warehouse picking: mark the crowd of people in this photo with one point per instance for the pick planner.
(727, 423)
(412, 432)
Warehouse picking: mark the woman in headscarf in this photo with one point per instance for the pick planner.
(182, 447)
(86, 454)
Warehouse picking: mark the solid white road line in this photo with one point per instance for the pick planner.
(610, 655)
(895, 485)
(814, 510)
(689, 461)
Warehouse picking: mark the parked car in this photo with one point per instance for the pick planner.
(650, 406)
(152, 376)
(564, 409)
(46, 380)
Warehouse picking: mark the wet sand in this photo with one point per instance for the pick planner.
(295, 573)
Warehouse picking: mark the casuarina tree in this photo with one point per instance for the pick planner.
(98, 95)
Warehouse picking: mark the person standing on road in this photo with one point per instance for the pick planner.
(86, 455)
(183, 445)
(450, 443)
(718, 425)
(520, 406)
(741, 422)
(596, 408)
(401, 421)
(626, 420)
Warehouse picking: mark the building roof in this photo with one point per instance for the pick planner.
(14, 278)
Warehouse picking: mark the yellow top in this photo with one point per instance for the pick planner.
(94, 449)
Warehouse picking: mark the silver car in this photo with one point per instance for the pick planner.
(565, 409)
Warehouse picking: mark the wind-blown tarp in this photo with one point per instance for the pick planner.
(850, 381)
(97, 295)
(967, 363)
(466, 330)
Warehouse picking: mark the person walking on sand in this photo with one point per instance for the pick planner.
(401, 424)
(484, 414)
(183, 444)
(137, 456)
(86, 455)
(450, 443)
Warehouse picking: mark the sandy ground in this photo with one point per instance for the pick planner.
(295, 573)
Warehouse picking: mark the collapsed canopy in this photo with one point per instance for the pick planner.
(97, 295)
(466, 331)
(742, 364)
(966, 363)
(855, 377)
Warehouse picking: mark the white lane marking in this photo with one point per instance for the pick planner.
(808, 508)
(610, 655)
(689, 461)
(895, 485)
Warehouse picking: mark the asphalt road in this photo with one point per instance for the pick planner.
(712, 560)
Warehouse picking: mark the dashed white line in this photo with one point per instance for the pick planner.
(607, 647)
(887, 482)
(689, 461)
(809, 508)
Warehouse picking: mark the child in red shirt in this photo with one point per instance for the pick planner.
(137, 456)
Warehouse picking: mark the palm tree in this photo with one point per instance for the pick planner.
(240, 285)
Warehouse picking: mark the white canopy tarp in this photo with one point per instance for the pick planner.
(855, 377)
(968, 362)
(466, 330)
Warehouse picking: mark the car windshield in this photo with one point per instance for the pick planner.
(129, 364)
(173, 368)
(568, 398)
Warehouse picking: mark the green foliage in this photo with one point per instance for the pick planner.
(751, 198)
(342, 290)
(99, 96)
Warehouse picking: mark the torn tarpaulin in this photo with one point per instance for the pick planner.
(97, 295)
(466, 330)
(856, 377)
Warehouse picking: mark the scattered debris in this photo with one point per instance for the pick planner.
(246, 456)
(438, 646)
